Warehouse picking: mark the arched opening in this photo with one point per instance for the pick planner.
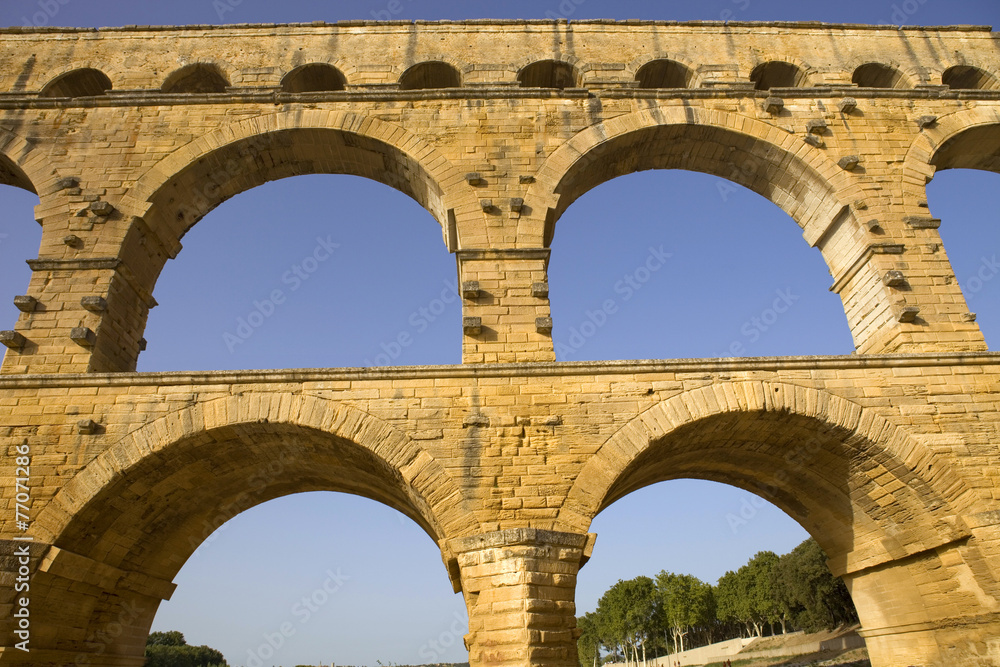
(313, 78)
(196, 78)
(85, 82)
(336, 569)
(430, 75)
(318, 271)
(664, 73)
(960, 195)
(799, 190)
(146, 523)
(878, 75)
(966, 77)
(201, 181)
(702, 268)
(778, 74)
(549, 74)
(824, 471)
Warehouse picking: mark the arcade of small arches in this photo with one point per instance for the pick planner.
(202, 78)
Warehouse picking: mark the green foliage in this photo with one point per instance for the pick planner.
(796, 589)
(168, 649)
(172, 638)
(629, 614)
(686, 601)
(806, 588)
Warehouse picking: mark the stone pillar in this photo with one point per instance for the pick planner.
(520, 586)
(939, 608)
(506, 305)
(899, 290)
(79, 316)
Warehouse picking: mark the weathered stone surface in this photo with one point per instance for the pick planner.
(888, 457)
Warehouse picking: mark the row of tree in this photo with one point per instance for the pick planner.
(645, 617)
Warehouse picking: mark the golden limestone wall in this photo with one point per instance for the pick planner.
(129, 136)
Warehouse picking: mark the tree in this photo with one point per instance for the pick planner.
(759, 586)
(589, 643)
(815, 599)
(171, 638)
(168, 649)
(629, 614)
(687, 602)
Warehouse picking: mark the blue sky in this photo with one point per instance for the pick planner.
(385, 594)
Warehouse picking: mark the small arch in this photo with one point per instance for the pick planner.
(549, 74)
(777, 74)
(196, 78)
(313, 78)
(429, 75)
(879, 75)
(664, 73)
(966, 77)
(84, 82)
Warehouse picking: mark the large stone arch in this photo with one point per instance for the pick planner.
(22, 164)
(124, 525)
(886, 509)
(805, 182)
(177, 192)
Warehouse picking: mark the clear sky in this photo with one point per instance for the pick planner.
(731, 253)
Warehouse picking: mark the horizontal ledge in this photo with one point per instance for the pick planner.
(397, 25)
(536, 369)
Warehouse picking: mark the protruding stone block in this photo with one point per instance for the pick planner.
(847, 105)
(817, 126)
(73, 241)
(813, 140)
(774, 105)
(87, 427)
(516, 204)
(908, 314)
(477, 419)
(475, 178)
(543, 325)
(849, 162)
(927, 121)
(68, 183)
(894, 278)
(540, 290)
(486, 204)
(83, 336)
(470, 289)
(922, 222)
(102, 208)
(25, 304)
(12, 339)
(873, 225)
(95, 304)
(472, 326)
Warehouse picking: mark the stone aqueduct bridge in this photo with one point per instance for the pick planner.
(129, 136)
